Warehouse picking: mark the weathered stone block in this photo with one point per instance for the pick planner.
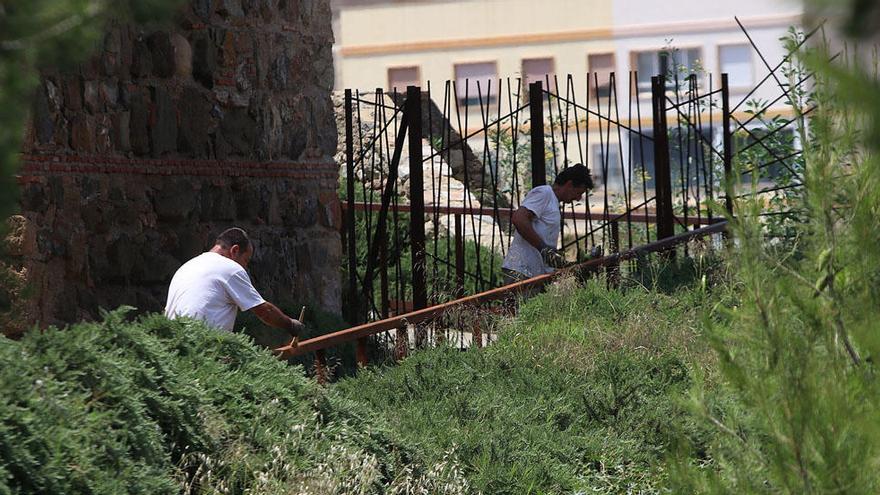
(109, 93)
(139, 134)
(175, 201)
(92, 97)
(121, 131)
(142, 59)
(203, 9)
(72, 89)
(163, 131)
(162, 54)
(182, 55)
(122, 256)
(301, 212)
(238, 133)
(83, 134)
(204, 59)
(229, 8)
(103, 135)
(44, 125)
(195, 123)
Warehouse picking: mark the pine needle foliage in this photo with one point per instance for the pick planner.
(580, 394)
(156, 406)
(798, 353)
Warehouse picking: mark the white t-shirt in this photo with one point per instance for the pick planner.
(522, 256)
(212, 288)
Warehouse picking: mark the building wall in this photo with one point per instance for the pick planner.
(373, 36)
(135, 162)
(376, 35)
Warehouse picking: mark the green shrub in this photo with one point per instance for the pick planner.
(799, 399)
(582, 392)
(159, 406)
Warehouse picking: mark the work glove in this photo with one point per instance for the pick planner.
(552, 257)
(296, 330)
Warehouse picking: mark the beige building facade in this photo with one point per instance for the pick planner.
(391, 44)
(394, 43)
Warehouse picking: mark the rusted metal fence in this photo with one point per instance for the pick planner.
(395, 333)
(433, 177)
(465, 179)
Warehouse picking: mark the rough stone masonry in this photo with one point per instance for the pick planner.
(136, 161)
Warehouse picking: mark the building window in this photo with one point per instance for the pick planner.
(736, 61)
(681, 63)
(401, 77)
(602, 65)
(476, 82)
(538, 69)
(599, 167)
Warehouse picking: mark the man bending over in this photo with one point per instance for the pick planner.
(537, 222)
(213, 286)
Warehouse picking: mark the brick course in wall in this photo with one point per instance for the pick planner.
(133, 163)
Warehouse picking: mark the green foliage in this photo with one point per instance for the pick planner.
(797, 354)
(159, 406)
(579, 393)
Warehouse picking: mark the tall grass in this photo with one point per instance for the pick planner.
(581, 393)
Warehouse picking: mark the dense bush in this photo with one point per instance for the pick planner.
(582, 392)
(159, 406)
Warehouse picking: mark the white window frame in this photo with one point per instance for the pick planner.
(388, 70)
(751, 82)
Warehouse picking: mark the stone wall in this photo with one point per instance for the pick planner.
(163, 139)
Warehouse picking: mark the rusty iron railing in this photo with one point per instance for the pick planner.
(400, 323)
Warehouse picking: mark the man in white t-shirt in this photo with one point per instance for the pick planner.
(215, 285)
(537, 223)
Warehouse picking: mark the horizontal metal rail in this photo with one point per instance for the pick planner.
(357, 334)
(507, 212)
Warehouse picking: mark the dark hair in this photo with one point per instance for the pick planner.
(233, 237)
(579, 176)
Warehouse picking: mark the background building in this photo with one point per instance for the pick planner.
(492, 43)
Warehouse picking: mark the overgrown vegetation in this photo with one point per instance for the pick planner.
(798, 353)
(581, 392)
(155, 406)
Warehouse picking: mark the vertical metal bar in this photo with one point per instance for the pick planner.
(663, 179)
(417, 196)
(361, 352)
(613, 269)
(321, 372)
(350, 222)
(477, 333)
(383, 275)
(459, 257)
(711, 179)
(401, 343)
(634, 87)
(728, 145)
(536, 122)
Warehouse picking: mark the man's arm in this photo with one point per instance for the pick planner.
(269, 314)
(522, 220)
